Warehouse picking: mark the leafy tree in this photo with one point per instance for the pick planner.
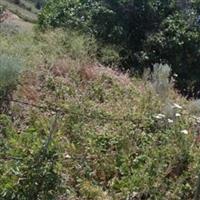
(122, 22)
(177, 43)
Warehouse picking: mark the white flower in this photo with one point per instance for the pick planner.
(159, 116)
(184, 132)
(170, 121)
(67, 156)
(175, 75)
(177, 106)
(178, 114)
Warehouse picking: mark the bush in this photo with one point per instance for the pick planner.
(29, 167)
(161, 80)
(10, 68)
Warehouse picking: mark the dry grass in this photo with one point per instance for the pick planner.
(12, 19)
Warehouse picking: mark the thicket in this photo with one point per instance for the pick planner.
(77, 130)
(145, 32)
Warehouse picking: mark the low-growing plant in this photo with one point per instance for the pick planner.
(9, 28)
(29, 169)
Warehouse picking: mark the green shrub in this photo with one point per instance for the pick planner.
(161, 80)
(29, 167)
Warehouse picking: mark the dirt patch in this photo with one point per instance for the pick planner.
(7, 15)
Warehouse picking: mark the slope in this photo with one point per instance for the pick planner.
(27, 15)
(78, 130)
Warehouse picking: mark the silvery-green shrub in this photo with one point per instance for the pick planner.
(10, 69)
(161, 80)
(194, 107)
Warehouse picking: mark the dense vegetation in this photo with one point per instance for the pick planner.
(72, 128)
(143, 32)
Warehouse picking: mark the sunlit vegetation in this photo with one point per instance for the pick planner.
(87, 115)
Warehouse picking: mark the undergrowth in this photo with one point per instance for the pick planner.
(78, 130)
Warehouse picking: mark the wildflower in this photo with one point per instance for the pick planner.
(177, 106)
(170, 121)
(184, 132)
(159, 116)
(67, 156)
(175, 75)
(178, 114)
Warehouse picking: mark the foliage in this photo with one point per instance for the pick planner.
(118, 22)
(178, 45)
(28, 170)
(145, 32)
(160, 78)
(101, 145)
(10, 69)
(114, 137)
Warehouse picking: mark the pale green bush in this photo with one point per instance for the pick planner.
(10, 68)
(29, 167)
(161, 80)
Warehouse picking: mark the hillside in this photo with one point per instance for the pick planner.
(27, 12)
(72, 128)
(10, 22)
